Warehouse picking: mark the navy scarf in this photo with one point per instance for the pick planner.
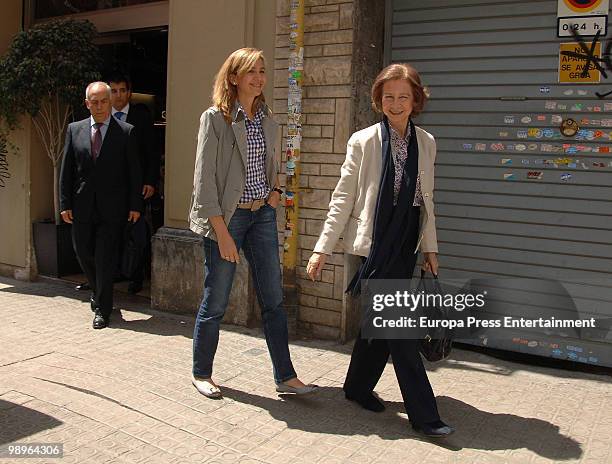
(395, 227)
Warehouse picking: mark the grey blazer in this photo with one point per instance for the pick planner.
(220, 166)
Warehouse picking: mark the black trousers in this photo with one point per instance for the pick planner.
(95, 244)
(142, 269)
(139, 273)
(368, 363)
(369, 357)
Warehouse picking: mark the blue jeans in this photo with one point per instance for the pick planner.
(255, 233)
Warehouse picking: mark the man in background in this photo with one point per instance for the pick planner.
(139, 116)
(100, 189)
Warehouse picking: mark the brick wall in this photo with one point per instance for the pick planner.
(326, 125)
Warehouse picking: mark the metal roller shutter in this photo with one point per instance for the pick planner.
(492, 68)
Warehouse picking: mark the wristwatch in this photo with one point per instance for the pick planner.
(276, 189)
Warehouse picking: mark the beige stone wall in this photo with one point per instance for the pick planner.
(28, 195)
(14, 197)
(327, 113)
(202, 33)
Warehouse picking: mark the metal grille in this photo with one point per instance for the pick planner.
(492, 68)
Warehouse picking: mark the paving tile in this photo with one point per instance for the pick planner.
(124, 396)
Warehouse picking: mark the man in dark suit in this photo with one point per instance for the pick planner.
(139, 116)
(100, 188)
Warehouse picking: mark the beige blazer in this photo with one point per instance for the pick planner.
(220, 166)
(353, 203)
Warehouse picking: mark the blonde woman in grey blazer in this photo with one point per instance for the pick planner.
(383, 206)
(235, 195)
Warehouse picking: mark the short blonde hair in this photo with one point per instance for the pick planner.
(404, 71)
(224, 92)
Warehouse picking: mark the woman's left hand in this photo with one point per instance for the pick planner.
(274, 199)
(430, 263)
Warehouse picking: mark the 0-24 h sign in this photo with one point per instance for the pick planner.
(586, 17)
(586, 26)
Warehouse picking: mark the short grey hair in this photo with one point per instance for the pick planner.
(93, 84)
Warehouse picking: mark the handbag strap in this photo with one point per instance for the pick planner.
(435, 276)
(436, 282)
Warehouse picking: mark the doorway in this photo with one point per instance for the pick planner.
(141, 55)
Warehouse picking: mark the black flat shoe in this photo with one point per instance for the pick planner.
(369, 402)
(436, 429)
(83, 286)
(99, 321)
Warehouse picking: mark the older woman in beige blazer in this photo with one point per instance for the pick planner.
(353, 204)
(383, 206)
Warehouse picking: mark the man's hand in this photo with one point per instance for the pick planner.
(274, 199)
(67, 216)
(148, 191)
(133, 217)
(430, 263)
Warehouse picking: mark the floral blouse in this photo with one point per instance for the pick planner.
(399, 152)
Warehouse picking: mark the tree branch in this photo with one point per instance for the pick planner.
(56, 129)
(61, 132)
(41, 134)
(45, 113)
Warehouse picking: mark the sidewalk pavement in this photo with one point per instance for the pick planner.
(123, 395)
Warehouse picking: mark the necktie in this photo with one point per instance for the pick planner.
(96, 140)
(119, 115)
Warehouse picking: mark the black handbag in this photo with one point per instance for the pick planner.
(438, 341)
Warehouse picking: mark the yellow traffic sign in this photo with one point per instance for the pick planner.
(572, 67)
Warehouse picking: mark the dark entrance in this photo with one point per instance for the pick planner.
(143, 56)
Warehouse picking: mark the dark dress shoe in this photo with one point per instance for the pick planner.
(92, 303)
(434, 429)
(99, 321)
(369, 402)
(134, 287)
(83, 286)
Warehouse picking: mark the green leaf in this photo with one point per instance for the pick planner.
(55, 58)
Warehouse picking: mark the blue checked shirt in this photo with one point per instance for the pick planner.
(256, 181)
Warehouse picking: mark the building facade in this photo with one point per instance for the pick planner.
(343, 52)
(515, 198)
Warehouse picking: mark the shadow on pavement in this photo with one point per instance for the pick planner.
(476, 429)
(170, 324)
(17, 422)
(166, 326)
(463, 357)
(51, 288)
